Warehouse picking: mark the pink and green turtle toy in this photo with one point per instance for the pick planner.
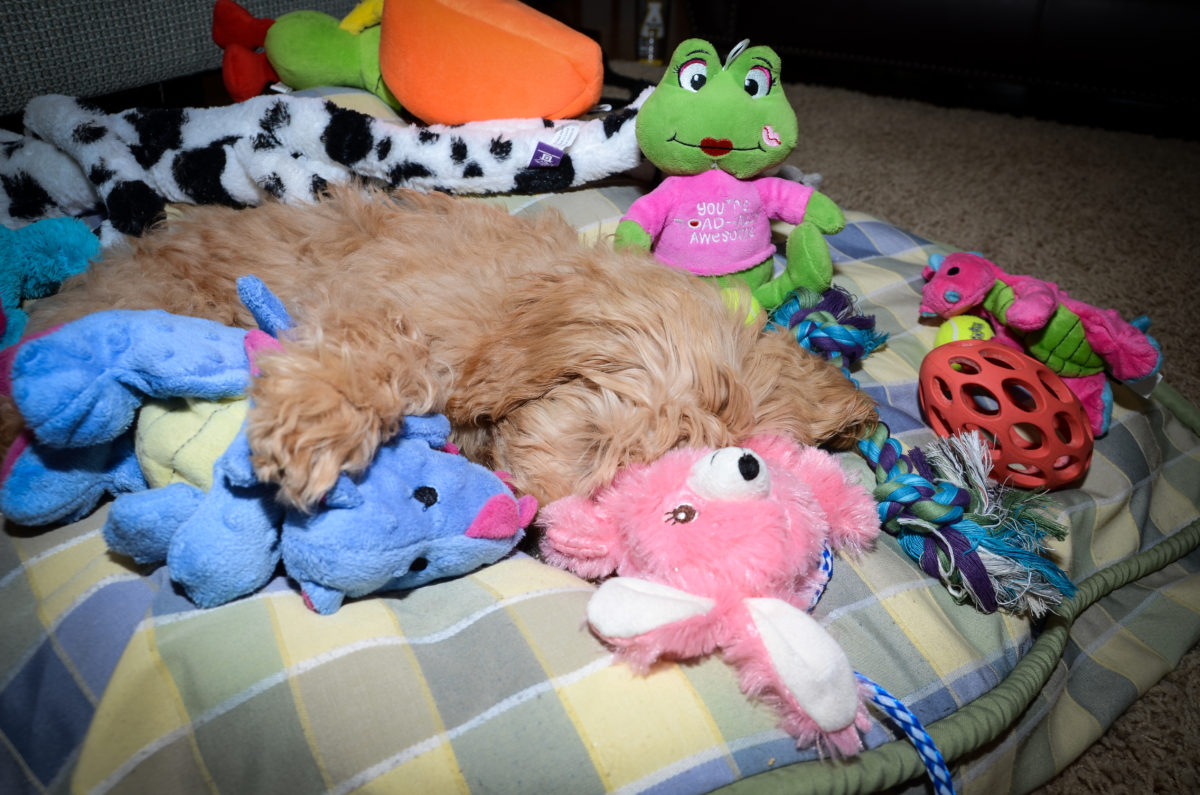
(1078, 341)
(713, 128)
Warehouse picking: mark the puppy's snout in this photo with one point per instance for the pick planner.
(731, 473)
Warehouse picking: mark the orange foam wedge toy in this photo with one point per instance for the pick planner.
(458, 61)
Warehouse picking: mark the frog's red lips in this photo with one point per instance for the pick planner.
(716, 147)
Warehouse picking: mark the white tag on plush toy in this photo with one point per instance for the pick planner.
(1144, 386)
(625, 607)
(565, 135)
(809, 661)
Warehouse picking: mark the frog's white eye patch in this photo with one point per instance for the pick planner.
(693, 74)
(758, 82)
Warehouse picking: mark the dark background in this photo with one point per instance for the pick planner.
(1115, 64)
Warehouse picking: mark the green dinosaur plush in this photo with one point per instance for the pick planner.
(310, 49)
(713, 128)
(304, 49)
(445, 61)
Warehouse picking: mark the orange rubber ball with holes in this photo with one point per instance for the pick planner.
(1035, 427)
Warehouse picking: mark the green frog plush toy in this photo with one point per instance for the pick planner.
(712, 128)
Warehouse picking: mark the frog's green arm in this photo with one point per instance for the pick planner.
(808, 266)
(631, 235)
(807, 254)
(822, 213)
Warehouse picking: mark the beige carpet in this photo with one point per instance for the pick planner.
(1113, 218)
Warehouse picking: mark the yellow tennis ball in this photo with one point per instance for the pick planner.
(963, 327)
(733, 300)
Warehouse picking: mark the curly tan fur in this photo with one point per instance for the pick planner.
(555, 361)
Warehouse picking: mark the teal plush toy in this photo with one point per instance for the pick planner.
(713, 128)
(34, 260)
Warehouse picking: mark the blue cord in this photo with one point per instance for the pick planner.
(935, 764)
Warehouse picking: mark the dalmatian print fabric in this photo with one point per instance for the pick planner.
(128, 166)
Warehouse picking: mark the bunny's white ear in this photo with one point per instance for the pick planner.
(809, 661)
(625, 607)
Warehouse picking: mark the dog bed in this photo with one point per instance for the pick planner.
(111, 681)
(114, 682)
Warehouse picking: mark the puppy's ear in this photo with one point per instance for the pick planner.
(542, 341)
(801, 395)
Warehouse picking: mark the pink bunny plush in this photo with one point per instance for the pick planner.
(722, 550)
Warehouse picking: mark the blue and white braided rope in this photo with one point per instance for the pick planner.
(824, 572)
(935, 765)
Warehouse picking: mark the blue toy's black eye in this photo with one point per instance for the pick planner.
(426, 495)
(758, 82)
(693, 75)
(418, 565)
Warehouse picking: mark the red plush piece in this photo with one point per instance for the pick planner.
(245, 70)
(233, 25)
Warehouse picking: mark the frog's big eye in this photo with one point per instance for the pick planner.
(693, 74)
(758, 82)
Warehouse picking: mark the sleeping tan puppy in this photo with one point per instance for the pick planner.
(555, 361)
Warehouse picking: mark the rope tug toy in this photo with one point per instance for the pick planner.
(984, 541)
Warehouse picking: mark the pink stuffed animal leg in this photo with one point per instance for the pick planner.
(1095, 394)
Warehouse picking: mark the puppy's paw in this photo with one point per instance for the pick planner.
(304, 432)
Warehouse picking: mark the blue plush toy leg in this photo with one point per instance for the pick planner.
(320, 599)
(83, 384)
(433, 429)
(48, 485)
(141, 525)
(230, 546)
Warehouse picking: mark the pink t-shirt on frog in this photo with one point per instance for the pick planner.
(714, 223)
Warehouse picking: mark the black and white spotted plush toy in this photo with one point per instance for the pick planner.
(37, 181)
(287, 147)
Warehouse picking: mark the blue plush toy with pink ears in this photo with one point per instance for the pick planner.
(419, 513)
